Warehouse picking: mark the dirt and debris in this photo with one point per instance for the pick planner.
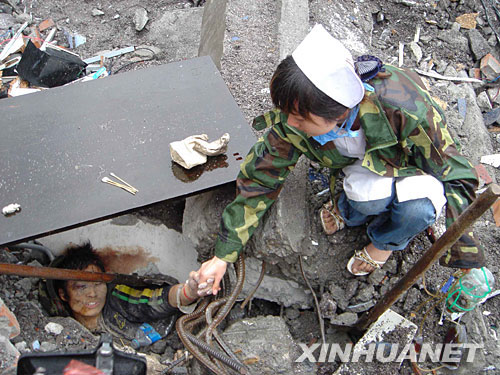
(457, 39)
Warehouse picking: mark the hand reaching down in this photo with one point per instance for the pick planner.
(210, 276)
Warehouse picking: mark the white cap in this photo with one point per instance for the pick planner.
(329, 66)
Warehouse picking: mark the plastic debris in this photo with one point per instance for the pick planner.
(11, 208)
(462, 107)
(436, 75)
(109, 54)
(74, 39)
(493, 160)
(316, 176)
(15, 44)
(35, 345)
(97, 12)
(50, 68)
(53, 328)
(491, 117)
(75, 367)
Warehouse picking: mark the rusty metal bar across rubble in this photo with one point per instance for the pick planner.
(452, 234)
(67, 274)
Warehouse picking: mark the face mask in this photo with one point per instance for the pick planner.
(346, 125)
(342, 131)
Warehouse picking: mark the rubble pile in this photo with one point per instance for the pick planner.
(454, 45)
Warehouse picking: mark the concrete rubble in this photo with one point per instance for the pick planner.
(247, 39)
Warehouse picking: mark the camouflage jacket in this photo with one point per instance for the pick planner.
(406, 135)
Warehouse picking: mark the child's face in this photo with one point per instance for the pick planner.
(86, 299)
(312, 125)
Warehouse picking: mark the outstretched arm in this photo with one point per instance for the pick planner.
(187, 293)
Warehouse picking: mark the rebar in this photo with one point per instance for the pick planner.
(204, 360)
(316, 303)
(222, 313)
(215, 353)
(261, 277)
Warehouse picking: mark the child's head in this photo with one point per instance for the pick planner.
(317, 79)
(85, 299)
(293, 92)
(78, 258)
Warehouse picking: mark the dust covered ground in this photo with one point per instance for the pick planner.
(110, 25)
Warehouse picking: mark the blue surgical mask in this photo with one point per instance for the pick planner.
(346, 125)
(336, 133)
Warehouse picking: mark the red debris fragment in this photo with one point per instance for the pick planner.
(46, 24)
(75, 367)
(490, 67)
(483, 174)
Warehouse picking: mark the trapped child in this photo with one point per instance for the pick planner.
(116, 308)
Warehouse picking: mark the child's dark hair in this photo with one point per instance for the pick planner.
(290, 86)
(78, 258)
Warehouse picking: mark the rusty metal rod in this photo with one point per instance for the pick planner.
(452, 234)
(261, 277)
(182, 333)
(220, 356)
(224, 310)
(66, 274)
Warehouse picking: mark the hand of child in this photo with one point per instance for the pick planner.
(195, 288)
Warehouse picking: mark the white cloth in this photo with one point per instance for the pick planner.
(362, 185)
(329, 66)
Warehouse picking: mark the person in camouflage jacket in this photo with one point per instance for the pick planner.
(406, 135)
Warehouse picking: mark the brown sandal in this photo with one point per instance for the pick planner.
(329, 207)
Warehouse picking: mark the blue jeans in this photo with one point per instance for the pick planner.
(393, 224)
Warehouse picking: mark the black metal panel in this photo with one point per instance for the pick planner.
(56, 145)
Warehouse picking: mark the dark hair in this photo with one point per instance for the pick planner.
(290, 86)
(77, 258)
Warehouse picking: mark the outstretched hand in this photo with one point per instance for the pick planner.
(211, 271)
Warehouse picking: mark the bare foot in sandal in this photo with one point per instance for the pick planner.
(379, 256)
(331, 220)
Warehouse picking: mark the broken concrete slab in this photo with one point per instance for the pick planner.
(267, 345)
(293, 25)
(480, 144)
(284, 234)
(478, 45)
(352, 24)
(390, 328)
(9, 326)
(177, 33)
(285, 292)
(251, 53)
(133, 237)
(454, 39)
(8, 354)
(213, 26)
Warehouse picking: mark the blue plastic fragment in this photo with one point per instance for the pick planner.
(462, 107)
(234, 38)
(36, 345)
(316, 176)
(446, 286)
(491, 116)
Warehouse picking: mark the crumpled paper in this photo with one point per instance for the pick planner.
(193, 150)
